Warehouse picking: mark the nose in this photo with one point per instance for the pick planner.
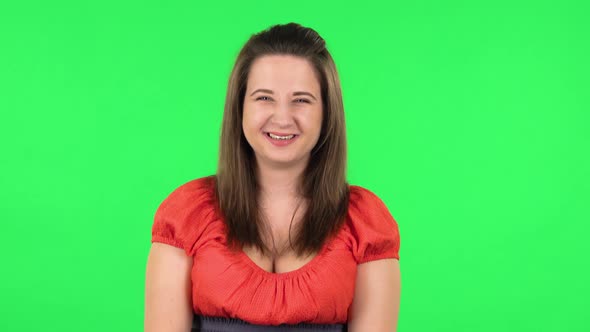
(282, 116)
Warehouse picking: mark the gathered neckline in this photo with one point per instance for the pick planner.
(289, 274)
(281, 275)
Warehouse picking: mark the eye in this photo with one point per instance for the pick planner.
(304, 100)
(259, 98)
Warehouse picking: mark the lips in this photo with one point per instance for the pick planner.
(279, 134)
(280, 142)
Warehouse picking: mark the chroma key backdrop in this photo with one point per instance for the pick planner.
(469, 119)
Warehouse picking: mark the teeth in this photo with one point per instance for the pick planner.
(281, 137)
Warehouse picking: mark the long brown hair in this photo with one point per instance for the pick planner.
(323, 182)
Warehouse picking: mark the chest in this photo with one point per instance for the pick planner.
(282, 221)
(285, 263)
(233, 284)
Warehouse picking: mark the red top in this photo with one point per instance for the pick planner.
(229, 284)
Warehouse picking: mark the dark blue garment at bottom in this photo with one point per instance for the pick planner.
(223, 324)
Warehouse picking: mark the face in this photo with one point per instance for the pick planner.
(283, 99)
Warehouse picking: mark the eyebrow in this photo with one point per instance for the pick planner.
(296, 93)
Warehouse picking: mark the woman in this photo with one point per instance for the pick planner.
(277, 239)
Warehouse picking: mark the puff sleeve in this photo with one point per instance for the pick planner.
(374, 232)
(182, 218)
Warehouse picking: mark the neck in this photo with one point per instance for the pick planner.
(279, 183)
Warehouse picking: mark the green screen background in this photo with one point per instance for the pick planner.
(469, 119)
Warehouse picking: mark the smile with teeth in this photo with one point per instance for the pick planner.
(280, 137)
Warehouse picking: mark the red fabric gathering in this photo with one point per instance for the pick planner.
(229, 284)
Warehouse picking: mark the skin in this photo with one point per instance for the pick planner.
(375, 306)
(283, 96)
(168, 305)
(281, 110)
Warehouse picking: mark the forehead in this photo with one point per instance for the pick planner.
(283, 73)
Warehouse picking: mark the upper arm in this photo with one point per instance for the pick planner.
(168, 304)
(375, 306)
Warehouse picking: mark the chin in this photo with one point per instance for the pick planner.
(282, 160)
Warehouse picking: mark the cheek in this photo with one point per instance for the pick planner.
(251, 120)
(247, 118)
(317, 120)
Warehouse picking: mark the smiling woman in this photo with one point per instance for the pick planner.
(276, 239)
(280, 115)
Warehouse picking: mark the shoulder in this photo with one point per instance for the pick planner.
(184, 213)
(373, 230)
(359, 191)
(202, 185)
(363, 200)
(195, 193)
